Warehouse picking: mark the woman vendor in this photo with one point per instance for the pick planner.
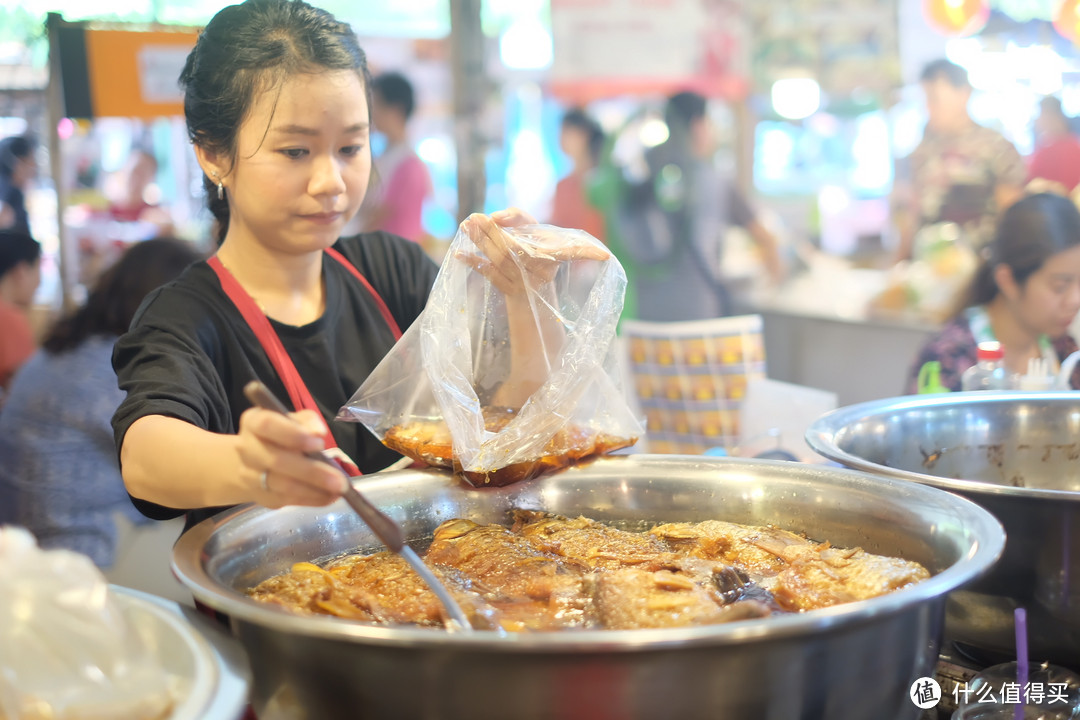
(1025, 295)
(277, 107)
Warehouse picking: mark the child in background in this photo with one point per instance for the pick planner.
(582, 140)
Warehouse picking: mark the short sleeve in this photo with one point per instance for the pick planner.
(163, 374)
(163, 364)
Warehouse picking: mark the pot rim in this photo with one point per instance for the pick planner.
(988, 542)
(822, 433)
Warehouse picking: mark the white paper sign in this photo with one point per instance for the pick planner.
(626, 38)
(159, 73)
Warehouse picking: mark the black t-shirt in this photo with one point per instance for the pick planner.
(189, 352)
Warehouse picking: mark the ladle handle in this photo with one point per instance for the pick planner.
(384, 528)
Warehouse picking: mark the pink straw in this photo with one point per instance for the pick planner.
(1021, 660)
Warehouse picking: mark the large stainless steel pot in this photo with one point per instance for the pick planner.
(981, 446)
(853, 662)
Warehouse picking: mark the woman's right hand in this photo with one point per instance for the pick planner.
(271, 447)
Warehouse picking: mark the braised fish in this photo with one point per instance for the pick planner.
(531, 589)
(312, 590)
(631, 598)
(590, 543)
(743, 546)
(550, 572)
(800, 574)
(820, 576)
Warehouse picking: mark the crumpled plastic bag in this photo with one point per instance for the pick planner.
(434, 397)
(66, 651)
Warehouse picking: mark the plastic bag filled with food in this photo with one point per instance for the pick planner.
(66, 650)
(511, 370)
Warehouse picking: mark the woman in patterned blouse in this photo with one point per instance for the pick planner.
(1025, 295)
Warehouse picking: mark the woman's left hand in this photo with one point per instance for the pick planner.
(513, 266)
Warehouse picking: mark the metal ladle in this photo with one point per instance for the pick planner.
(384, 528)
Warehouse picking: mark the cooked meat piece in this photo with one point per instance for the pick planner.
(820, 576)
(590, 543)
(745, 546)
(309, 589)
(430, 442)
(389, 589)
(514, 575)
(550, 572)
(631, 598)
(800, 574)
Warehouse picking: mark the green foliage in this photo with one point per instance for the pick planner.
(22, 27)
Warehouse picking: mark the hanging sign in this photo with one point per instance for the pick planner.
(121, 72)
(611, 47)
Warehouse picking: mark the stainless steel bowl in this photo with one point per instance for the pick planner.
(851, 662)
(1017, 455)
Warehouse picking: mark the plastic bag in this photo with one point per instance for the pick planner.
(66, 651)
(436, 396)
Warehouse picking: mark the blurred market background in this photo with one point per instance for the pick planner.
(815, 102)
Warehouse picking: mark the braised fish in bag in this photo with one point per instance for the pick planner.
(511, 369)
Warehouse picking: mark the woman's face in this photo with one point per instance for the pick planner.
(573, 142)
(302, 163)
(1048, 302)
(27, 277)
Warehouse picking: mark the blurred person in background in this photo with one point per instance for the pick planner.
(582, 140)
(401, 181)
(1057, 150)
(673, 223)
(961, 172)
(60, 478)
(18, 168)
(1025, 295)
(135, 195)
(20, 273)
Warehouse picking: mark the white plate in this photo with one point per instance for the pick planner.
(210, 665)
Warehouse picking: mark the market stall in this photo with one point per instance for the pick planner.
(653, 583)
(122, 166)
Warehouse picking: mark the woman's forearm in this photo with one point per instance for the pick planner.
(173, 463)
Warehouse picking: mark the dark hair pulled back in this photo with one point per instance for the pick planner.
(250, 48)
(1028, 234)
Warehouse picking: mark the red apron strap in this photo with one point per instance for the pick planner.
(383, 309)
(264, 332)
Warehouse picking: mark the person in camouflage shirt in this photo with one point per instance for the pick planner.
(961, 172)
